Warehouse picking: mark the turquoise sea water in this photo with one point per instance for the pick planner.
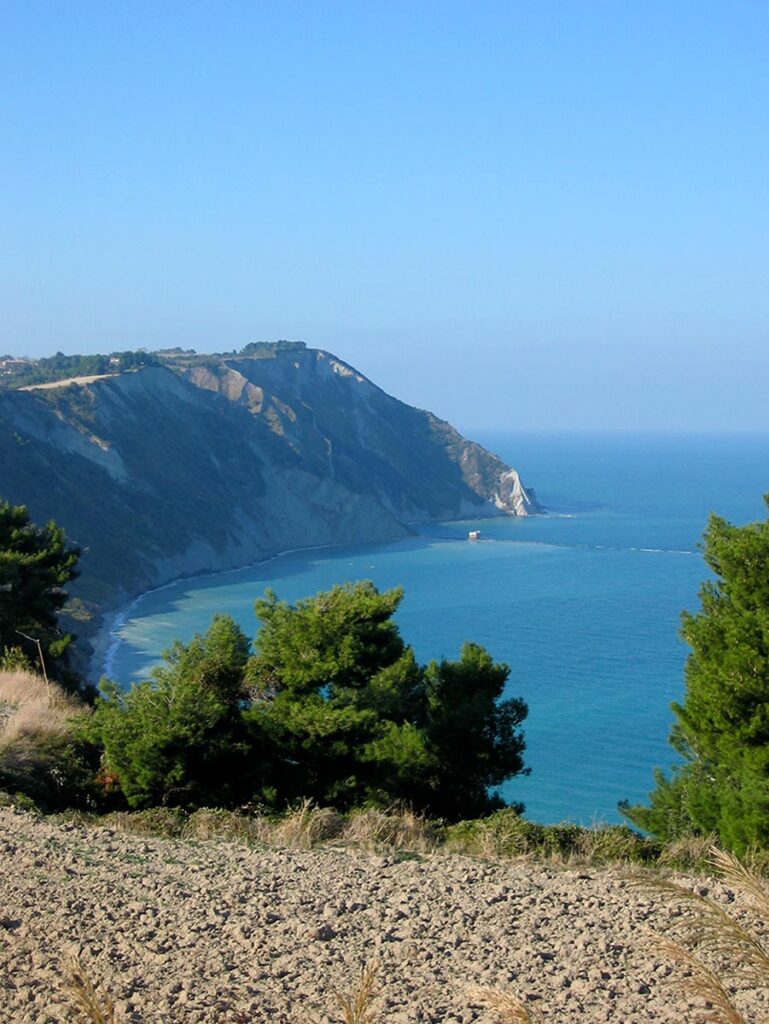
(583, 604)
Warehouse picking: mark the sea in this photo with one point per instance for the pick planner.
(583, 603)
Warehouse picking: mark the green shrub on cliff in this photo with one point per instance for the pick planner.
(36, 563)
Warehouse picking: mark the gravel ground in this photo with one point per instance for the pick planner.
(198, 932)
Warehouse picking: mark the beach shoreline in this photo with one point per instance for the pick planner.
(106, 640)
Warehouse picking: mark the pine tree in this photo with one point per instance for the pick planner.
(353, 718)
(36, 563)
(722, 726)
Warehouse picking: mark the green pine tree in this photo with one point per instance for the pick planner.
(352, 717)
(36, 563)
(722, 726)
(179, 739)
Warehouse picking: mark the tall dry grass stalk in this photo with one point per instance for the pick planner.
(357, 1005)
(91, 1006)
(737, 948)
(508, 1007)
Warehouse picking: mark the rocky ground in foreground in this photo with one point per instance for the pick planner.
(198, 932)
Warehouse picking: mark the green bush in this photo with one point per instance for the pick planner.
(179, 739)
(506, 834)
(55, 772)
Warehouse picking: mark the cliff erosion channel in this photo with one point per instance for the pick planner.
(204, 463)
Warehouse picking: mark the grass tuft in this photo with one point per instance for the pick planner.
(357, 1006)
(688, 853)
(307, 826)
(510, 1009)
(29, 708)
(396, 828)
(230, 826)
(164, 822)
(91, 1006)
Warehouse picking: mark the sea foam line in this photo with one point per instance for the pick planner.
(114, 632)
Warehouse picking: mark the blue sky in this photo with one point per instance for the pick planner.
(522, 215)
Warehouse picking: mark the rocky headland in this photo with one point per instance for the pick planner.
(203, 463)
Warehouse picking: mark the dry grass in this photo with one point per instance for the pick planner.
(91, 1006)
(508, 1007)
(230, 826)
(307, 826)
(735, 947)
(163, 822)
(20, 686)
(397, 828)
(357, 1005)
(30, 708)
(688, 851)
(304, 827)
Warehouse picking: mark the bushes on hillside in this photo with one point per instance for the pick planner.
(180, 738)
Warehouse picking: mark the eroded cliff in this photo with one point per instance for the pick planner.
(208, 463)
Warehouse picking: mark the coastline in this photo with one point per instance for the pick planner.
(106, 640)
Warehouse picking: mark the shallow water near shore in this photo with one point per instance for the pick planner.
(583, 603)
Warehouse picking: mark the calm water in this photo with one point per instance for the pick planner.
(582, 604)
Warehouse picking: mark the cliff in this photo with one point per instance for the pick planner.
(207, 463)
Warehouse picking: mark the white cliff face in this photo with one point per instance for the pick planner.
(512, 497)
(217, 462)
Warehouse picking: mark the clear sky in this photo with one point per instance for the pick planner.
(522, 214)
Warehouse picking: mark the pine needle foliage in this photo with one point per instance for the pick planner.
(721, 728)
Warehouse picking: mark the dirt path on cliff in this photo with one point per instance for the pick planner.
(199, 932)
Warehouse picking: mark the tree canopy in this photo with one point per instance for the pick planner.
(178, 739)
(36, 563)
(721, 728)
(331, 705)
